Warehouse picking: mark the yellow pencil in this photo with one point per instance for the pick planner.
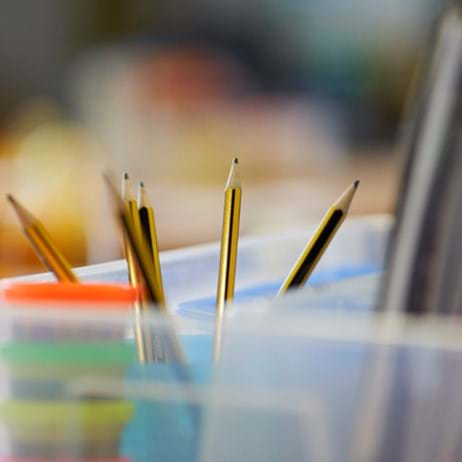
(132, 207)
(42, 243)
(142, 338)
(138, 246)
(313, 252)
(228, 253)
(148, 226)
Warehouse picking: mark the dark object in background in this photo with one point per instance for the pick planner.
(425, 265)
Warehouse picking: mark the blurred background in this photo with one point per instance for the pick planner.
(307, 93)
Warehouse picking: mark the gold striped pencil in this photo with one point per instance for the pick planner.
(321, 239)
(148, 226)
(42, 243)
(138, 246)
(228, 253)
(143, 340)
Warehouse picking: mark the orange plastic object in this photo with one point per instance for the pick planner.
(116, 295)
(22, 459)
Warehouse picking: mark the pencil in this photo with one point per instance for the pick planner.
(142, 338)
(136, 244)
(140, 251)
(148, 227)
(132, 207)
(321, 239)
(42, 243)
(228, 253)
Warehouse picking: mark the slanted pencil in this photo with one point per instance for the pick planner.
(42, 243)
(148, 227)
(228, 253)
(127, 212)
(132, 207)
(321, 239)
(140, 251)
(142, 337)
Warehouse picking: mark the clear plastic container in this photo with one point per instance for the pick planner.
(190, 274)
(298, 386)
(46, 346)
(293, 384)
(52, 403)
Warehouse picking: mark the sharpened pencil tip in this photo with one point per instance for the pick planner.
(13, 202)
(127, 193)
(143, 200)
(344, 201)
(233, 177)
(112, 188)
(25, 217)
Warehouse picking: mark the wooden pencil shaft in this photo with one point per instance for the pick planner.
(141, 348)
(140, 252)
(132, 269)
(138, 247)
(146, 218)
(48, 253)
(141, 257)
(228, 255)
(313, 252)
(141, 339)
(144, 341)
(42, 243)
(229, 246)
(132, 275)
(132, 206)
(148, 226)
(321, 239)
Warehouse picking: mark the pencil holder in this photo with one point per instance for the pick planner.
(168, 427)
(61, 334)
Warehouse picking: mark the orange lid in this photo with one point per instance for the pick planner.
(121, 294)
(20, 459)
